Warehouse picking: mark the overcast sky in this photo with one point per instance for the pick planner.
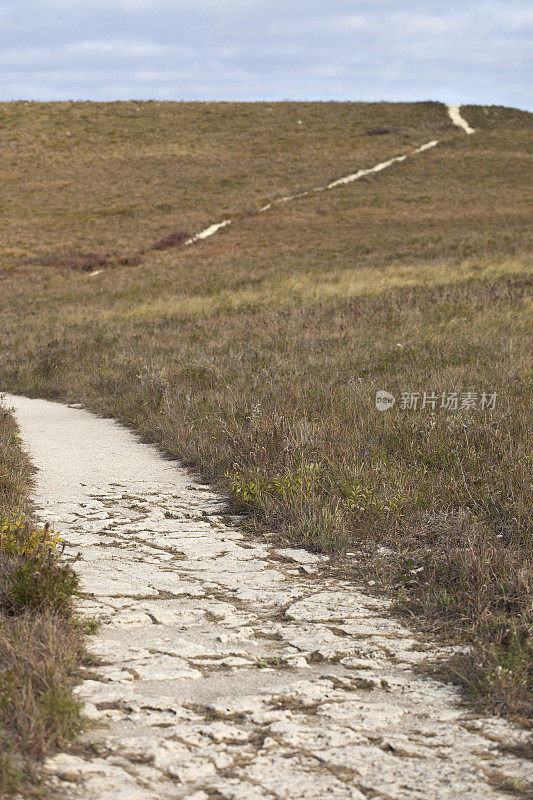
(457, 52)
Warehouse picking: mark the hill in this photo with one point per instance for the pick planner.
(255, 355)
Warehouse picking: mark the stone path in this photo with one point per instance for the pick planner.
(231, 669)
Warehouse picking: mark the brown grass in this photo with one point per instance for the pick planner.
(15, 470)
(40, 643)
(39, 654)
(108, 177)
(256, 355)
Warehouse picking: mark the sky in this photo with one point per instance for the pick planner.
(456, 52)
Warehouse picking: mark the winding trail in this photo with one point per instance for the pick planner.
(230, 668)
(455, 116)
(454, 113)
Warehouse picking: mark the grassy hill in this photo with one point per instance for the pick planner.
(255, 355)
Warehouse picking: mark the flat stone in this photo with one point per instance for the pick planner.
(300, 556)
(222, 732)
(129, 618)
(99, 779)
(288, 778)
(163, 668)
(115, 674)
(334, 605)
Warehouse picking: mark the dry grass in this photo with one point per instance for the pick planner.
(256, 355)
(116, 177)
(39, 654)
(40, 644)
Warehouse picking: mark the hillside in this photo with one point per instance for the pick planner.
(255, 355)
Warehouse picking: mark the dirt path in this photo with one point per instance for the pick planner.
(454, 113)
(212, 229)
(231, 669)
(455, 116)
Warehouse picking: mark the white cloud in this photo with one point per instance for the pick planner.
(327, 71)
(158, 76)
(119, 47)
(25, 56)
(352, 22)
(134, 6)
(518, 19)
(429, 24)
(448, 49)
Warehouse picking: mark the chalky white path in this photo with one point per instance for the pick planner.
(230, 669)
(454, 112)
(455, 116)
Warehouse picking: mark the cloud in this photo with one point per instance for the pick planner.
(519, 19)
(25, 56)
(119, 48)
(349, 22)
(454, 50)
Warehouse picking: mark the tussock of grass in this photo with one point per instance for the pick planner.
(256, 356)
(40, 645)
(39, 653)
